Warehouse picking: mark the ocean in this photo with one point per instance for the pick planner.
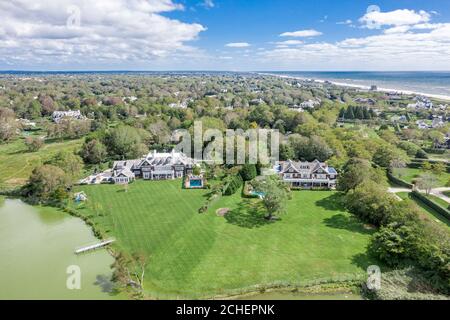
(429, 83)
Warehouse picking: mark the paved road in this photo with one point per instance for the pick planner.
(438, 192)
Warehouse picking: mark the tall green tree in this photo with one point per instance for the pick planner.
(276, 195)
(93, 151)
(124, 142)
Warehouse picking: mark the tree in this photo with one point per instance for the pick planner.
(93, 151)
(427, 182)
(130, 271)
(392, 244)
(426, 165)
(124, 142)
(349, 114)
(47, 182)
(48, 105)
(248, 172)
(356, 171)
(8, 124)
(160, 132)
(371, 202)
(439, 168)
(34, 143)
(286, 152)
(70, 128)
(386, 155)
(69, 162)
(33, 110)
(276, 194)
(437, 137)
(359, 113)
(310, 149)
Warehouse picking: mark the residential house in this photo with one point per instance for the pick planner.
(307, 175)
(155, 166)
(57, 116)
(310, 104)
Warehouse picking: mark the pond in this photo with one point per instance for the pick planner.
(36, 248)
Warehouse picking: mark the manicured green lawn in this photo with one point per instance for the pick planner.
(198, 255)
(16, 163)
(409, 174)
(439, 201)
(428, 212)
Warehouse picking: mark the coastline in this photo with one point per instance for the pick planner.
(363, 87)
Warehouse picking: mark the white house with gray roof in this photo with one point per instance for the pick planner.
(307, 175)
(57, 116)
(154, 166)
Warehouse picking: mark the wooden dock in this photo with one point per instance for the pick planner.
(94, 246)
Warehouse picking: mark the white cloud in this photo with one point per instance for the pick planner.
(399, 29)
(412, 47)
(347, 22)
(302, 33)
(208, 4)
(290, 42)
(238, 45)
(34, 32)
(400, 17)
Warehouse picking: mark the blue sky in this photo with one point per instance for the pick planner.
(225, 35)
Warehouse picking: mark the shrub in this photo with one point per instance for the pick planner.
(34, 143)
(421, 154)
(233, 184)
(248, 172)
(370, 202)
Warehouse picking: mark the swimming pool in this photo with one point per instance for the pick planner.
(258, 193)
(196, 183)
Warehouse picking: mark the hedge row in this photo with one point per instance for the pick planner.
(435, 151)
(435, 206)
(234, 184)
(398, 181)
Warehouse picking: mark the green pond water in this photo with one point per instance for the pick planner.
(36, 248)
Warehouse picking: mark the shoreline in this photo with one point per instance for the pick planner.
(359, 86)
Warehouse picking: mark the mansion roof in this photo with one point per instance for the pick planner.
(305, 167)
(154, 159)
(166, 159)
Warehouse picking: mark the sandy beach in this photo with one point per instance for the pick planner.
(363, 87)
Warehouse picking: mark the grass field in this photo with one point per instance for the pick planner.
(428, 212)
(409, 174)
(16, 163)
(198, 255)
(439, 201)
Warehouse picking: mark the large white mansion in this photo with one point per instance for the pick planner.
(307, 175)
(155, 166)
